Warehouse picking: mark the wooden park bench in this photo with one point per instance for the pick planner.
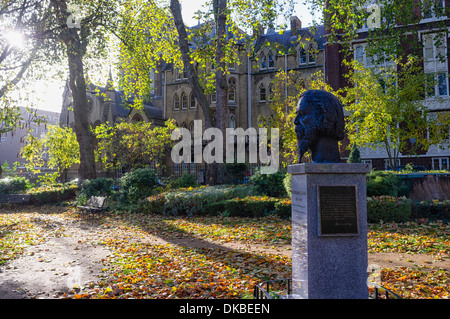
(94, 205)
(15, 198)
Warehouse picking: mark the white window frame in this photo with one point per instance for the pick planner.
(192, 101)
(180, 74)
(432, 116)
(368, 61)
(176, 99)
(433, 15)
(310, 54)
(302, 52)
(440, 161)
(271, 62)
(260, 87)
(263, 62)
(397, 163)
(436, 64)
(367, 161)
(232, 88)
(184, 101)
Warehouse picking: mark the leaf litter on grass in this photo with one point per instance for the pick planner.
(168, 271)
(139, 269)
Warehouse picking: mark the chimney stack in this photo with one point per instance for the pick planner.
(296, 25)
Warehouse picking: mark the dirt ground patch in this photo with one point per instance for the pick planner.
(75, 258)
(50, 269)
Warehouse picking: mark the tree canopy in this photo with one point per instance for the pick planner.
(133, 145)
(59, 149)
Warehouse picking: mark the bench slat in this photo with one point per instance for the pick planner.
(94, 204)
(15, 198)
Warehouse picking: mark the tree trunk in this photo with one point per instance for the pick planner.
(75, 53)
(194, 82)
(82, 127)
(220, 15)
(192, 75)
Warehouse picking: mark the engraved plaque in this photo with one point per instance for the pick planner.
(338, 215)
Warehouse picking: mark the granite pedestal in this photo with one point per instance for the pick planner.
(329, 231)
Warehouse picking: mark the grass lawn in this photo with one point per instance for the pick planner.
(138, 268)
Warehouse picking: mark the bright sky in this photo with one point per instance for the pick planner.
(50, 92)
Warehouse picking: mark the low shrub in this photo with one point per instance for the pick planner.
(97, 187)
(250, 206)
(269, 184)
(287, 183)
(230, 201)
(431, 188)
(283, 208)
(52, 194)
(14, 185)
(433, 210)
(184, 181)
(153, 204)
(192, 201)
(382, 183)
(388, 209)
(137, 185)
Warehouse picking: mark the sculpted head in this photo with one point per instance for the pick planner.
(319, 125)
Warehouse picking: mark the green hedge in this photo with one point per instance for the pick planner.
(214, 201)
(283, 208)
(269, 184)
(97, 187)
(14, 185)
(434, 210)
(52, 194)
(137, 185)
(388, 209)
(184, 181)
(250, 206)
(240, 201)
(382, 183)
(192, 201)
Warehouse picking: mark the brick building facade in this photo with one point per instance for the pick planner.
(436, 157)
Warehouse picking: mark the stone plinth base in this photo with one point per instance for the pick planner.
(329, 231)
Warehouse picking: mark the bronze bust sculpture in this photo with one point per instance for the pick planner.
(319, 126)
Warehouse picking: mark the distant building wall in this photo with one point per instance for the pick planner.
(11, 143)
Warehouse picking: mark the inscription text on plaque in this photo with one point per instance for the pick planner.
(338, 213)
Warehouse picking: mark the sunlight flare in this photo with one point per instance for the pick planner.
(15, 39)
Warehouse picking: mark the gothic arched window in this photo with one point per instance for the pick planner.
(232, 90)
(184, 101)
(176, 102)
(271, 60)
(192, 101)
(302, 56)
(262, 93)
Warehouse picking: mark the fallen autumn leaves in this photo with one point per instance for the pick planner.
(153, 256)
